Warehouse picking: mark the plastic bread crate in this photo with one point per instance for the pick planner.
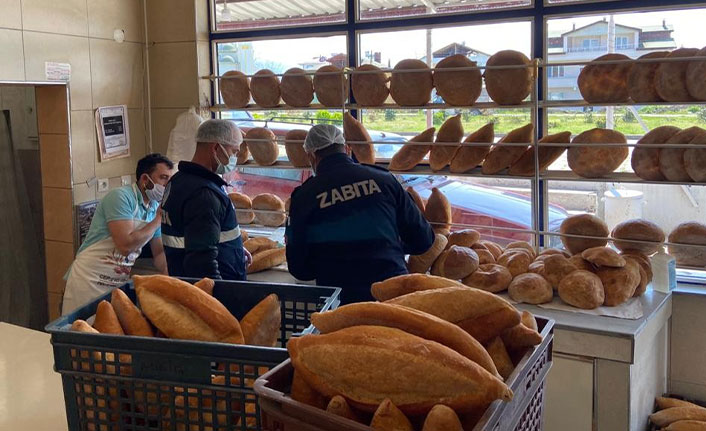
(524, 413)
(118, 382)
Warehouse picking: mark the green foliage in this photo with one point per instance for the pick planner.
(390, 115)
(328, 115)
(701, 114)
(628, 116)
(439, 118)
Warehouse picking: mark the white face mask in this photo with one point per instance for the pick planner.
(230, 167)
(156, 193)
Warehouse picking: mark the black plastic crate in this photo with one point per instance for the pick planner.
(139, 383)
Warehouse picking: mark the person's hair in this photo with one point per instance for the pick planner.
(331, 149)
(147, 164)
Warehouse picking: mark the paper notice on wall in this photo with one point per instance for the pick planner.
(57, 71)
(113, 132)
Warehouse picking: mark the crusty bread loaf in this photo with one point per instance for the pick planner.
(695, 159)
(597, 162)
(243, 206)
(509, 86)
(265, 90)
(267, 259)
(489, 277)
(438, 209)
(582, 289)
(411, 88)
(670, 78)
(504, 156)
(471, 156)
(525, 245)
(641, 79)
(671, 160)
(686, 425)
(641, 230)
(339, 407)
(416, 198)
(331, 86)
(619, 284)
(408, 283)
(525, 165)
(484, 255)
(582, 264)
(456, 263)
(457, 88)
(556, 267)
(80, 325)
(413, 152)
(370, 87)
(695, 72)
(516, 261)
(664, 418)
(131, 318)
(501, 359)
(464, 238)
(362, 364)
(354, 131)
(583, 224)
(302, 392)
(269, 210)
(645, 160)
(256, 245)
(181, 310)
(297, 88)
(261, 325)
(422, 262)
(412, 321)
(488, 326)
(605, 83)
(244, 235)
(520, 337)
(494, 248)
(451, 132)
(243, 153)
(551, 251)
(689, 233)
(206, 284)
(531, 289)
(644, 277)
(106, 321)
(668, 402)
(603, 256)
(388, 417)
(294, 146)
(262, 143)
(442, 418)
(235, 89)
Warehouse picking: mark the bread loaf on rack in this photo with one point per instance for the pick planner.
(413, 152)
(451, 132)
(509, 86)
(265, 90)
(331, 86)
(411, 88)
(297, 88)
(458, 88)
(645, 159)
(504, 156)
(605, 83)
(670, 78)
(294, 146)
(597, 161)
(262, 143)
(641, 79)
(369, 85)
(471, 156)
(359, 139)
(548, 154)
(235, 89)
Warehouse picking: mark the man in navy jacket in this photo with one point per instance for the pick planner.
(350, 225)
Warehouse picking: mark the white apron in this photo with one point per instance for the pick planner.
(98, 269)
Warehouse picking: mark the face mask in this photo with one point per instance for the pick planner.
(156, 193)
(230, 167)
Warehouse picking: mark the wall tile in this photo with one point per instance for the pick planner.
(171, 21)
(127, 165)
(52, 112)
(11, 16)
(12, 68)
(202, 29)
(173, 75)
(54, 305)
(84, 193)
(59, 256)
(163, 121)
(104, 16)
(117, 72)
(58, 214)
(52, 16)
(84, 146)
(55, 155)
(42, 47)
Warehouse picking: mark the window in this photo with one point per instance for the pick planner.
(235, 15)
(556, 71)
(621, 42)
(391, 9)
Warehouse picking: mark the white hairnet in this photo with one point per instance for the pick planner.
(322, 136)
(223, 132)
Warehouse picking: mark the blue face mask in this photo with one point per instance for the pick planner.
(230, 167)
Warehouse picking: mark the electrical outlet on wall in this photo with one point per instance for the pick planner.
(126, 180)
(103, 185)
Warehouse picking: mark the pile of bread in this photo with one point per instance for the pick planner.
(674, 414)
(171, 308)
(266, 209)
(681, 164)
(431, 355)
(644, 82)
(410, 83)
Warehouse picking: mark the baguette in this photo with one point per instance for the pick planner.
(442, 418)
(520, 336)
(388, 417)
(362, 363)
(687, 425)
(409, 320)
(267, 259)
(668, 416)
(302, 392)
(666, 402)
(106, 320)
(488, 326)
(497, 351)
(256, 245)
(412, 153)
(339, 407)
(131, 318)
(183, 311)
(421, 263)
(261, 326)
(438, 210)
(451, 132)
(408, 283)
(470, 156)
(206, 284)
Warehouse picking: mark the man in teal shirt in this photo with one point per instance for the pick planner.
(126, 220)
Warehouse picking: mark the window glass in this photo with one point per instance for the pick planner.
(234, 15)
(390, 9)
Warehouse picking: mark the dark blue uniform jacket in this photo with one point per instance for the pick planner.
(351, 225)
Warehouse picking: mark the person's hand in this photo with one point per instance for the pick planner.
(247, 256)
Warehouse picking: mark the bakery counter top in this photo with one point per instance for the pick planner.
(31, 395)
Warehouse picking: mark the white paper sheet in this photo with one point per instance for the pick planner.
(630, 310)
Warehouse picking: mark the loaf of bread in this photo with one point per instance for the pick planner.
(297, 87)
(501, 359)
(106, 321)
(531, 289)
(484, 256)
(358, 139)
(548, 154)
(183, 311)
(451, 132)
(525, 245)
(689, 233)
(671, 160)
(645, 160)
(256, 245)
(131, 318)
(442, 418)
(597, 161)
(485, 328)
(644, 277)
(670, 78)
(388, 417)
(489, 277)
(587, 225)
(267, 259)
(520, 337)
(603, 256)
(422, 262)
(235, 89)
(206, 284)
(516, 261)
(494, 248)
(438, 210)
(695, 72)
(556, 267)
(619, 284)
(408, 283)
(302, 392)
(664, 418)
(339, 407)
(509, 86)
(641, 230)
(641, 79)
(605, 83)
(582, 264)
(464, 238)
(686, 425)
(413, 152)
(552, 251)
(243, 153)
(261, 325)
(411, 88)
(503, 156)
(243, 207)
(668, 402)
(582, 289)
(416, 198)
(458, 88)
(265, 90)
(695, 159)
(456, 263)
(269, 210)
(370, 86)
(412, 321)
(331, 86)
(294, 146)
(471, 156)
(262, 143)
(362, 364)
